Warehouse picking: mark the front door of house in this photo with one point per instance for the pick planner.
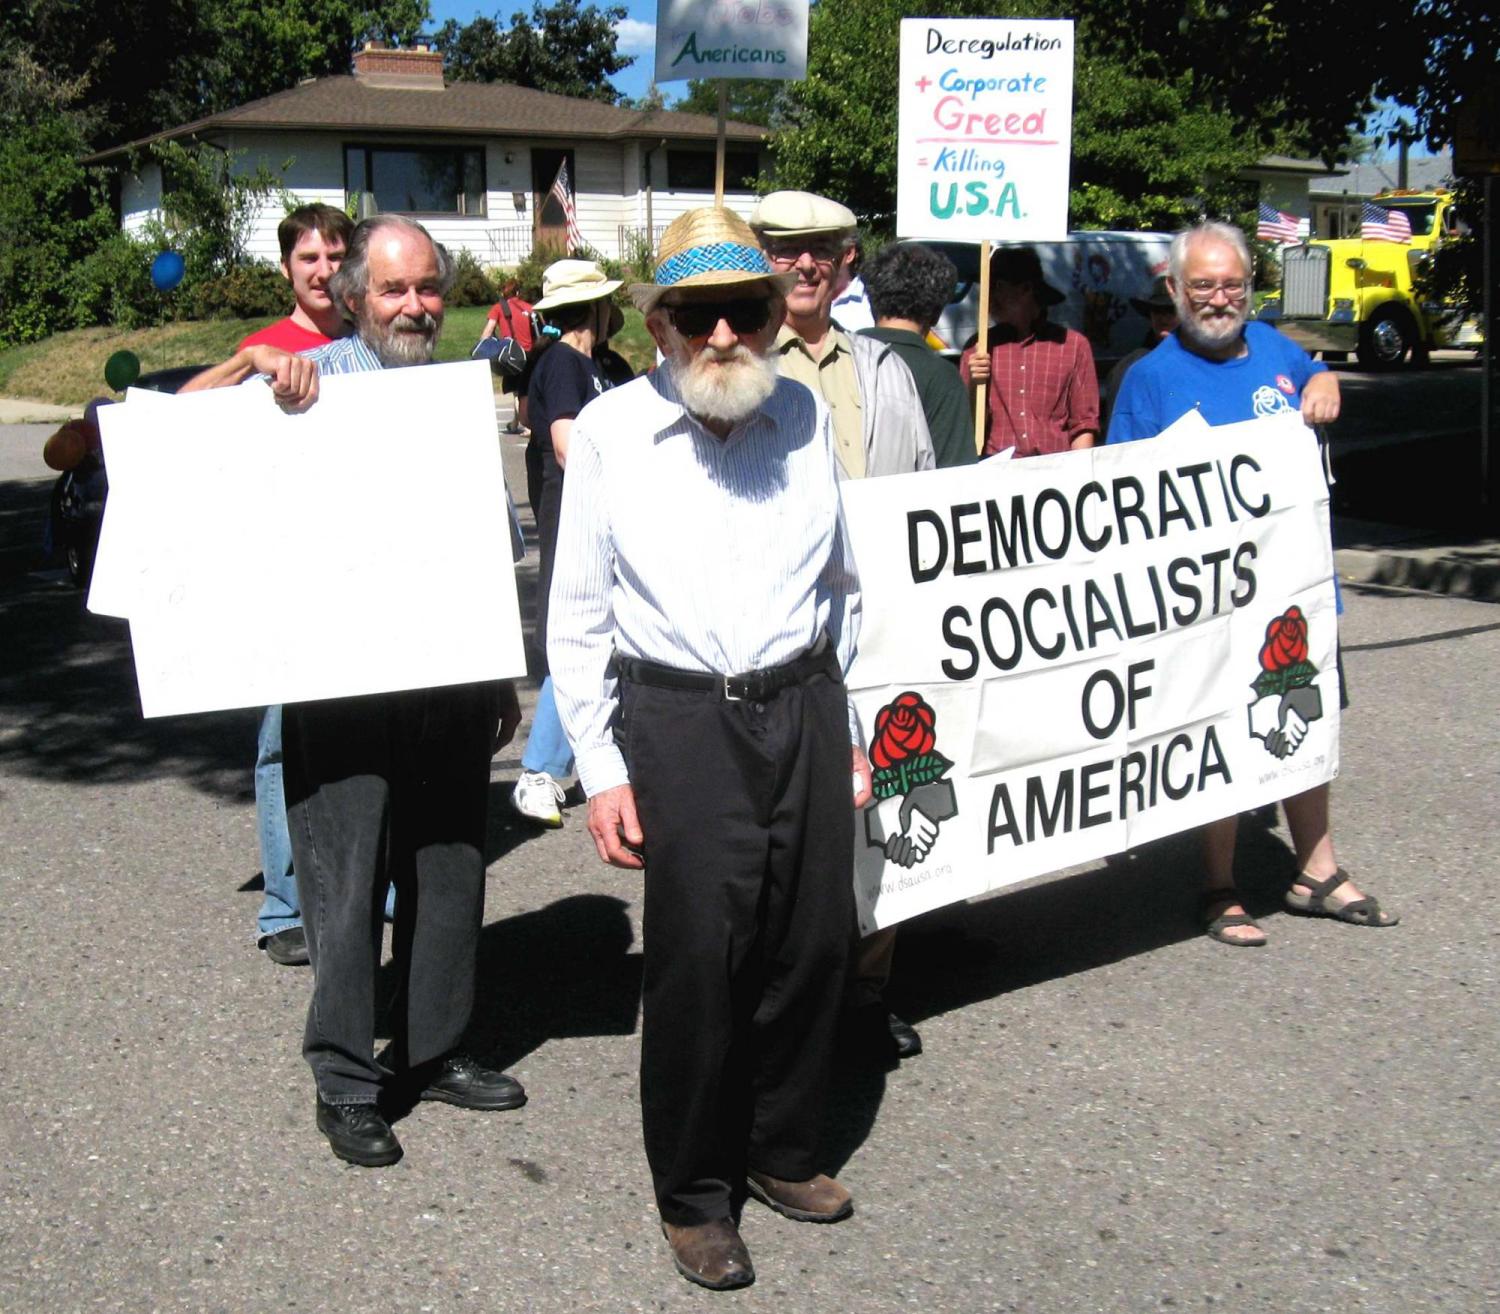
(549, 220)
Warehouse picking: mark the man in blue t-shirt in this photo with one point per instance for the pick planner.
(1231, 370)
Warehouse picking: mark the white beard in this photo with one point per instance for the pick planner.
(1210, 331)
(406, 340)
(726, 387)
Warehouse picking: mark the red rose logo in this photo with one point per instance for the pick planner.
(1286, 641)
(903, 729)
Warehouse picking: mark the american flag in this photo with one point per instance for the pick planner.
(1279, 226)
(562, 191)
(1377, 224)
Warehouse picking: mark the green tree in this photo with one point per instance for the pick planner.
(1155, 138)
(53, 211)
(563, 47)
(751, 100)
(151, 64)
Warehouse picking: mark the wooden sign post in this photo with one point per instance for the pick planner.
(982, 344)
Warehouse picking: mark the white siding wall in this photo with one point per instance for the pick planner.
(610, 192)
(140, 198)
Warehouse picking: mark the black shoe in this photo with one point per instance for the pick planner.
(288, 947)
(908, 1043)
(358, 1133)
(462, 1080)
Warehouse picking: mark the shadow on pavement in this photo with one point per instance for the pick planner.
(67, 681)
(563, 970)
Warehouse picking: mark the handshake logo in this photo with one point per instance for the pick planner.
(911, 797)
(1286, 700)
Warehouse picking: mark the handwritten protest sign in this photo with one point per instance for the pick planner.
(985, 129)
(731, 39)
(1067, 656)
(265, 558)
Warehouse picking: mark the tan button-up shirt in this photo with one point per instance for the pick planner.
(832, 377)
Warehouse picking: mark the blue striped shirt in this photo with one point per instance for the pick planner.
(678, 547)
(352, 356)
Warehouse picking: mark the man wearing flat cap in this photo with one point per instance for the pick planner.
(1043, 394)
(704, 609)
(880, 428)
(878, 423)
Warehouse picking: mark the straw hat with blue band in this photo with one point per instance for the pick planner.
(709, 248)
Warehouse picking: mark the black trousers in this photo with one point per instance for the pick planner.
(388, 788)
(748, 818)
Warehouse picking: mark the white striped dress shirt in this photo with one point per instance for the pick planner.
(678, 547)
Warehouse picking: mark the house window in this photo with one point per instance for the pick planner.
(693, 171)
(424, 180)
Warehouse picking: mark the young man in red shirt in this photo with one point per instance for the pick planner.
(313, 239)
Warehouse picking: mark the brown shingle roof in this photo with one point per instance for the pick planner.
(483, 109)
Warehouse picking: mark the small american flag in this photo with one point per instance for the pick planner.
(562, 191)
(1377, 224)
(1279, 226)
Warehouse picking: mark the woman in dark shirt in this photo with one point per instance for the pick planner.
(576, 303)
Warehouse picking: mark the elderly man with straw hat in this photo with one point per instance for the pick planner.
(704, 610)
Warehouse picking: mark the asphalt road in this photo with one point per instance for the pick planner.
(1113, 1113)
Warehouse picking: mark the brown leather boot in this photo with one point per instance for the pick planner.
(820, 1199)
(710, 1254)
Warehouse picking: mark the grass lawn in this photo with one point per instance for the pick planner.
(67, 369)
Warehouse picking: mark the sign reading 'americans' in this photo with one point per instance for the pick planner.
(731, 39)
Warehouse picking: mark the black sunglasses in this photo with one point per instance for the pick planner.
(697, 319)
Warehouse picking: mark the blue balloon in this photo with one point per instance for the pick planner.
(167, 271)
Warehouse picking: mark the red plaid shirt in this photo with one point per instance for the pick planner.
(1043, 391)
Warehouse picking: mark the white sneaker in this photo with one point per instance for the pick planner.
(538, 797)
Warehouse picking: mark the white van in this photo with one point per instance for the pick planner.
(1098, 273)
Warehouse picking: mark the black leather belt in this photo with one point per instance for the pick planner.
(752, 686)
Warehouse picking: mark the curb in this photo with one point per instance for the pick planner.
(1471, 571)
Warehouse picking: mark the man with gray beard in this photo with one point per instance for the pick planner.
(1230, 370)
(390, 789)
(704, 608)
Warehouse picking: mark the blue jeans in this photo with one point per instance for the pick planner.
(547, 747)
(281, 908)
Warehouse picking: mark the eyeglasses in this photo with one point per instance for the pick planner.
(1203, 289)
(697, 319)
(788, 250)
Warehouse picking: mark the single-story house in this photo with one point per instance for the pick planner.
(475, 162)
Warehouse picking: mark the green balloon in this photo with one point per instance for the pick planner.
(121, 370)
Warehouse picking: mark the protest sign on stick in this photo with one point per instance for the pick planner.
(984, 139)
(730, 39)
(1064, 657)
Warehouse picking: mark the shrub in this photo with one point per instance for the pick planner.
(471, 285)
(112, 285)
(528, 274)
(246, 292)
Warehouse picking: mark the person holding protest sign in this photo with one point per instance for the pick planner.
(390, 788)
(698, 661)
(1231, 370)
(313, 239)
(1044, 394)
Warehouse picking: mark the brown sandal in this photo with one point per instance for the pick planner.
(1357, 912)
(1214, 926)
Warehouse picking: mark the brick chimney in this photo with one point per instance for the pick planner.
(416, 70)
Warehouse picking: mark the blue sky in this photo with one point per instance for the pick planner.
(637, 37)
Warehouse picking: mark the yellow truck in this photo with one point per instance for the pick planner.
(1351, 294)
